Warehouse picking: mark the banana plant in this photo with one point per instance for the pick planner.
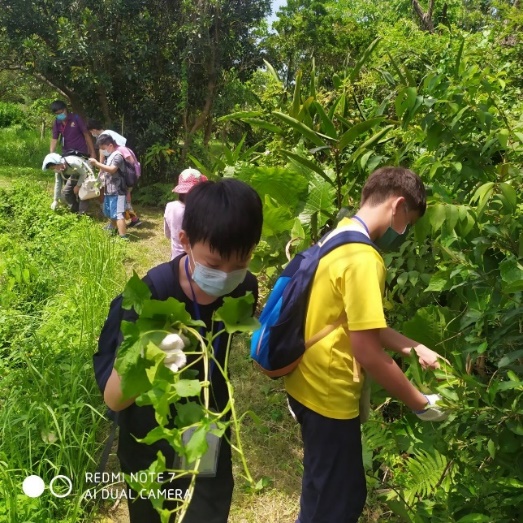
(334, 136)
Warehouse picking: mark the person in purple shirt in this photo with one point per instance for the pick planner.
(75, 137)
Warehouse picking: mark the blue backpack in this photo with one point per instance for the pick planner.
(279, 344)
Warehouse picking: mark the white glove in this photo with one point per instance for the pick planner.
(54, 205)
(432, 412)
(173, 345)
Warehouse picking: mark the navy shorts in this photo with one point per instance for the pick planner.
(333, 484)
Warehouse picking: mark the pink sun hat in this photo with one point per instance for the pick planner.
(188, 179)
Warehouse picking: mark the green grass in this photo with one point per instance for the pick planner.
(23, 147)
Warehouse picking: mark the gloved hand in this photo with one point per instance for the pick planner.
(54, 205)
(173, 345)
(432, 412)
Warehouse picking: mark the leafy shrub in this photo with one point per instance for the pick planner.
(11, 114)
(58, 273)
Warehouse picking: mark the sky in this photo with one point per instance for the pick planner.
(276, 4)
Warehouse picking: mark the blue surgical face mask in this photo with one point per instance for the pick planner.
(61, 116)
(392, 240)
(105, 152)
(215, 282)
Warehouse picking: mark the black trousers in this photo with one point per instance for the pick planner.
(333, 484)
(210, 503)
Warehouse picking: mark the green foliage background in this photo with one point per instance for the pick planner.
(347, 87)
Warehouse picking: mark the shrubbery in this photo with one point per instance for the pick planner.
(58, 273)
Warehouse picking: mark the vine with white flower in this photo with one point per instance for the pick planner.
(156, 363)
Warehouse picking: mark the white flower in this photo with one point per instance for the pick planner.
(173, 345)
(172, 341)
(175, 359)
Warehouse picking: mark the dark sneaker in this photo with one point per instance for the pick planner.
(124, 238)
(135, 223)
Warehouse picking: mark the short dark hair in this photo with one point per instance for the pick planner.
(105, 139)
(91, 124)
(395, 181)
(227, 214)
(57, 105)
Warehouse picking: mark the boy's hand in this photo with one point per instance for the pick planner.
(54, 205)
(432, 412)
(76, 189)
(428, 359)
(94, 162)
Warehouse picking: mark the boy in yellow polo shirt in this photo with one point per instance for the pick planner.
(324, 389)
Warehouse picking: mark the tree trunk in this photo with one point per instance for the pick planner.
(425, 18)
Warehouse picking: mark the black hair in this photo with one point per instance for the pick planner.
(105, 139)
(181, 197)
(395, 181)
(227, 214)
(91, 124)
(57, 105)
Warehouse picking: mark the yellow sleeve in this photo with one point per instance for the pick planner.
(362, 285)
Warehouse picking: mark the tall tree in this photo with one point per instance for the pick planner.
(156, 65)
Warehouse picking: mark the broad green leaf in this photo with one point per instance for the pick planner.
(436, 215)
(510, 194)
(136, 292)
(240, 115)
(197, 446)
(397, 69)
(401, 509)
(483, 193)
(452, 216)
(188, 413)
(237, 314)
(363, 60)
(433, 327)
(271, 70)
(510, 358)
(263, 124)
(405, 101)
(511, 272)
(132, 368)
(299, 127)
(170, 309)
(475, 518)
(457, 66)
(309, 164)
(296, 99)
(160, 402)
(326, 123)
(366, 145)
(356, 131)
(155, 356)
(502, 137)
(187, 388)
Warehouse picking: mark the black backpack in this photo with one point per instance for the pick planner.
(162, 278)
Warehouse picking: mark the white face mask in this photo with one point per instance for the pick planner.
(215, 282)
(106, 153)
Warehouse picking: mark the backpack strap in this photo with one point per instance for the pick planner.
(337, 238)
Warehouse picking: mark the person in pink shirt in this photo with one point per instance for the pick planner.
(173, 217)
